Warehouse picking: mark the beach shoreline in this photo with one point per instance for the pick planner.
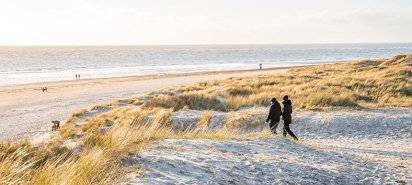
(153, 76)
(26, 110)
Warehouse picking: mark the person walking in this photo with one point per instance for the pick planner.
(274, 115)
(287, 117)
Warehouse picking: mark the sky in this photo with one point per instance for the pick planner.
(157, 22)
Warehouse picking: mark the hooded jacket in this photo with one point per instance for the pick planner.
(287, 109)
(274, 113)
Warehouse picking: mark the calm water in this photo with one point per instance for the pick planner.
(20, 65)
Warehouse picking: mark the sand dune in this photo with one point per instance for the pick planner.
(26, 111)
(340, 147)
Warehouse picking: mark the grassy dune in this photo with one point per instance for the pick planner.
(366, 83)
(99, 158)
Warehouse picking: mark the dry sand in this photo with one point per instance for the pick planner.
(337, 147)
(26, 111)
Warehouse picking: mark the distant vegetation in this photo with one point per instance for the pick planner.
(99, 157)
(367, 83)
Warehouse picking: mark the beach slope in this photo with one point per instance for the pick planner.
(26, 111)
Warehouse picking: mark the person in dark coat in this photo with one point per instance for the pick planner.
(287, 117)
(274, 115)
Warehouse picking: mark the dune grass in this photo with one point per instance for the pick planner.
(197, 101)
(99, 158)
(367, 83)
(205, 119)
(99, 162)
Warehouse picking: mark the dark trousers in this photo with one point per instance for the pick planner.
(286, 128)
(273, 126)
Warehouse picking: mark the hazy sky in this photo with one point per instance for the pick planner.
(98, 22)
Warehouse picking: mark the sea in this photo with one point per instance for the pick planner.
(38, 64)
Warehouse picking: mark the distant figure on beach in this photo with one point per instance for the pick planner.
(56, 125)
(260, 66)
(76, 76)
(287, 117)
(274, 115)
(44, 89)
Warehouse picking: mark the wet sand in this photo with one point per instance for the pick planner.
(25, 110)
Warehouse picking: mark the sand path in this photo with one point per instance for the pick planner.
(25, 110)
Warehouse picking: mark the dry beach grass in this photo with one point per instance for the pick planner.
(378, 83)
(28, 114)
(86, 154)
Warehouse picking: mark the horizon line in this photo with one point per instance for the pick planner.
(200, 44)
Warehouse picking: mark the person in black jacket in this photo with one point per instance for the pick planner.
(274, 115)
(287, 117)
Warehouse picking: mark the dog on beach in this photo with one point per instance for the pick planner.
(56, 125)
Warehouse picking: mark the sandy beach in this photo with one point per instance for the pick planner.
(27, 111)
